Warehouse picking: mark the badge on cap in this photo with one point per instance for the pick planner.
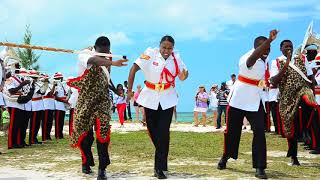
(145, 57)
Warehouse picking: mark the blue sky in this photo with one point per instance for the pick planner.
(210, 35)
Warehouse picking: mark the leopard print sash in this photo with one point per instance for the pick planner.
(292, 87)
(93, 107)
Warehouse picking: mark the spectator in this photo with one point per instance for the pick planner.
(138, 108)
(120, 102)
(125, 88)
(213, 100)
(201, 105)
(222, 103)
(231, 82)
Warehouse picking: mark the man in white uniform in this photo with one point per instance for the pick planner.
(12, 90)
(251, 76)
(60, 101)
(49, 109)
(37, 110)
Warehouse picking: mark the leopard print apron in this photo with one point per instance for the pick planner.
(93, 106)
(292, 87)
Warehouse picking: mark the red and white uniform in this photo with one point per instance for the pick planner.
(153, 70)
(245, 96)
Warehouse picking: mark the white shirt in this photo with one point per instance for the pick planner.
(274, 70)
(12, 82)
(1, 95)
(152, 69)
(83, 61)
(317, 78)
(244, 96)
(229, 84)
(1, 100)
(73, 97)
(119, 99)
(28, 105)
(213, 99)
(49, 101)
(61, 92)
(37, 103)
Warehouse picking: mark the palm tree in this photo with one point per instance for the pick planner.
(28, 57)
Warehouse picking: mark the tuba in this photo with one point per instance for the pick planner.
(310, 38)
(10, 58)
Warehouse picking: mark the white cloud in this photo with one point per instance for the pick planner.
(119, 38)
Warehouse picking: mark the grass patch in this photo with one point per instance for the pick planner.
(192, 154)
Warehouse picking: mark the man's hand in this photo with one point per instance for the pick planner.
(119, 63)
(1, 88)
(289, 55)
(273, 34)
(129, 95)
(183, 75)
(23, 83)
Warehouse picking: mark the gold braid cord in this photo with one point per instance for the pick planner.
(26, 46)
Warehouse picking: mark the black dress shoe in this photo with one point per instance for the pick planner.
(159, 174)
(86, 169)
(17, 146)
(316, 151)
(295, 161)
(37, 142)
(260, 174)
(223, 163)
(102, 175)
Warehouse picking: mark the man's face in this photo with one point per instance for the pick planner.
(267, 51)
(286, 48)
(103, 49)
(166, 48)
(59, 79)
(233, 78)
(311, 54)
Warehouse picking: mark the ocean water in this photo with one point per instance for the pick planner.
(181, 116)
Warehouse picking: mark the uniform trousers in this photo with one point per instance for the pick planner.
(34, 126)
(59, 123)
(86, 141)
(26, 120)
(314, 126)
(71, 121)
(300, 119)
(233, 133)
(158, 124)
(15, 127)
(275, 116)
(46, 125)
(267, 119)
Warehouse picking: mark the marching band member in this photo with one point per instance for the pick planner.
(295, 92)
(60, 101)
(251, 76)
(37, 109)
(93, 107)
(72, 100)
(12, 90)
(314, 123)
(28, 89)
(273, 99)
(49, 108)
(160, 68)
